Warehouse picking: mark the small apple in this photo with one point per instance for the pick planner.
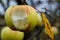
(21, 17)
(54, 29)
(8, 34)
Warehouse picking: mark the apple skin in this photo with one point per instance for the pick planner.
(8, 34)
(40, 22)
(31, 15)
(8, 18)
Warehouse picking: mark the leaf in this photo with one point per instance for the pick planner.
(47, 26)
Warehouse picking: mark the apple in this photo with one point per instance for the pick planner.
(21, 17)
(54, 29)
(40, 22)
(8, 18)
(8, 34)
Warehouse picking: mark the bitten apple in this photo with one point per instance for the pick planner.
(40, 22)
(21, 17)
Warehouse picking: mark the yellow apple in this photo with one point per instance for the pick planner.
(40, 22)
(54, 29)
(21, 17)
(8, 34)
(8, 18)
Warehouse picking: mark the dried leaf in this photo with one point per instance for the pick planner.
(47, 26)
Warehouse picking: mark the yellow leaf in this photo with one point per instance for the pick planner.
(47, 26)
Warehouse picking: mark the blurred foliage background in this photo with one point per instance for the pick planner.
(50, 7)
